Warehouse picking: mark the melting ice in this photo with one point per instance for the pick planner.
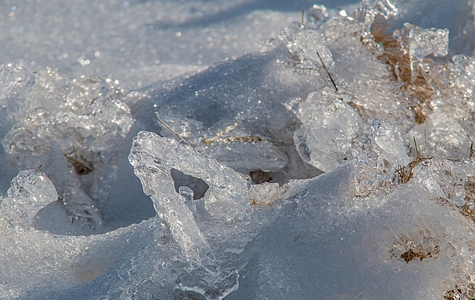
(336, 162)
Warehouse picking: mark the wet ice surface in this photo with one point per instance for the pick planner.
(331, 159)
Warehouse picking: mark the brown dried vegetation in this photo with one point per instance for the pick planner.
(453, 294)
(413, 255)
(468, 209)
(465, 291)
(414, 248)
(403, 67)
(80, 164)
(405, 173)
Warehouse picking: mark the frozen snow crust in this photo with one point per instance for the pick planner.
(335, 163)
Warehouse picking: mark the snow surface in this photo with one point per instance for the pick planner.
(224, 150)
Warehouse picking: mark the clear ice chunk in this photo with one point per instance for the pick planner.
(30, 191)
(368, 10)
(379, 157)
(442, 136)
(72, 130)
(390, 141)
(328, 127)
(423, 42)
(153, 158)
(305, 45)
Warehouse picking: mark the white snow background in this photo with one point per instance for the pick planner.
(289, 186)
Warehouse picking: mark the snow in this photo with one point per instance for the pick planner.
(225, 150)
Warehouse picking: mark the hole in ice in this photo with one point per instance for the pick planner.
(81, 160)
(198, 186)
(259, 176)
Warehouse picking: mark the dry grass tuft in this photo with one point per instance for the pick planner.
(402, 66)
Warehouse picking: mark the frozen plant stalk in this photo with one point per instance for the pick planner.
(153, 158)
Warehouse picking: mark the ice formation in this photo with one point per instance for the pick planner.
(334, 163)
(62, 125)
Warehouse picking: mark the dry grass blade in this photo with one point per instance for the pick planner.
(328, 72)
(176, 133)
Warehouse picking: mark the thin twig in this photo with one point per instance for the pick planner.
(471, 149)
(328, 72)
(415, 146)
(303, 13)
(176, 133)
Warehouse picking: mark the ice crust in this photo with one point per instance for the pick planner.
(334, 163)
